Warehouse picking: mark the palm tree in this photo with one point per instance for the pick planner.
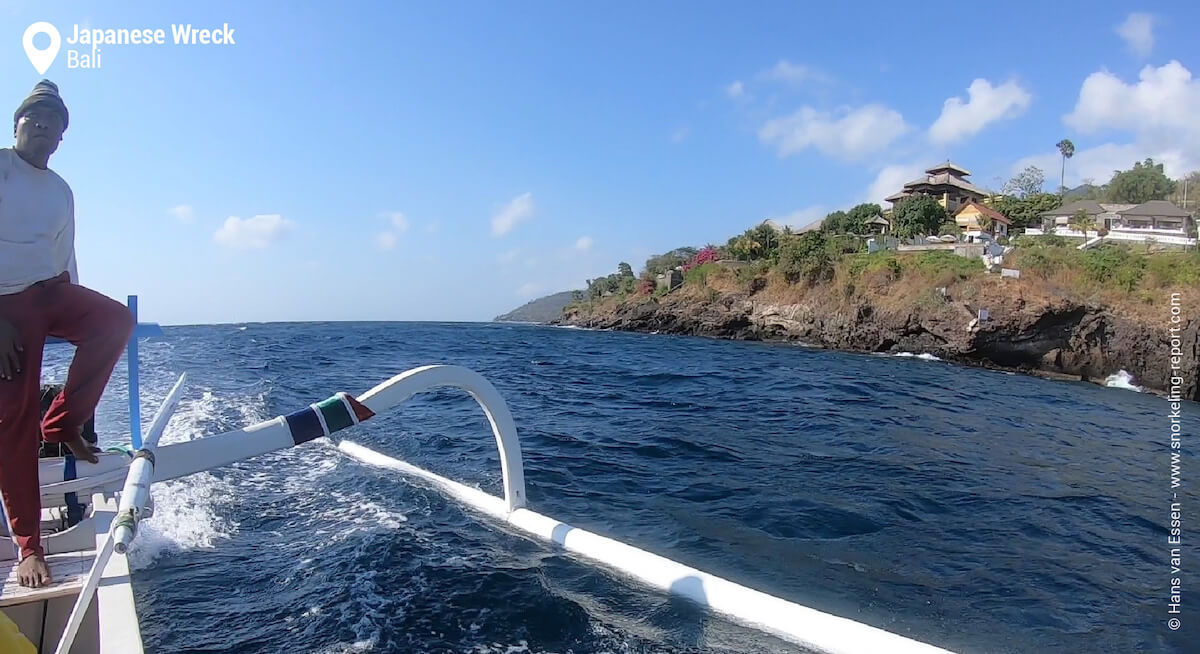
(986, 223)
(1067, 149)
(1082, 222)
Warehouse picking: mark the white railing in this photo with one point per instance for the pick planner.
(1178, 231)
(1157, 238)
(1137, 235)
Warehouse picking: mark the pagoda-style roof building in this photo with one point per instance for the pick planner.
(947, 183)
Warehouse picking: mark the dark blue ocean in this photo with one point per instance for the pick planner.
(980, 511)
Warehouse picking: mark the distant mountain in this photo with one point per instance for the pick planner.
(1084, 192)
(541, 310)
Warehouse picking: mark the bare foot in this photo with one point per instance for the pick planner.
(33, 573)
(82, 450)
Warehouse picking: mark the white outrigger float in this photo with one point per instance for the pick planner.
(89, 608)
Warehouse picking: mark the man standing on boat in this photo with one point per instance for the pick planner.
(40, 297)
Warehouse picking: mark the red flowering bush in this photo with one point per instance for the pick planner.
(707, 255)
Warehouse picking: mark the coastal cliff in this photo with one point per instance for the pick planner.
(541, 310)
(1032, 325)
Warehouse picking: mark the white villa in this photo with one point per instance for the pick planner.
(1157, 220)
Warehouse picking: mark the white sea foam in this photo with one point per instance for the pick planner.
(1122, 380)
(924, 356)
(186, 515)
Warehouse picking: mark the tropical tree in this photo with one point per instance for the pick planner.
(835, 223)
(986, 223)
(1082, 222)
(624, 269)
(858, 216)
(806, 258)
(950, 228)
(767, 237)
(1144, 182)
(1028, 210)
(1025, 183)
(1067, 149)
(918, 214)
(1186, 190)
(743, 247)
(661, 263)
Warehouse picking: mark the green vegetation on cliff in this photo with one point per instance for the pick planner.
(789, 264)
(789, 267)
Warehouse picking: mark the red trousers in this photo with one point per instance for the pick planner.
(99, 327)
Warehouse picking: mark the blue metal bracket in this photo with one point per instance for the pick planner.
(140, 330)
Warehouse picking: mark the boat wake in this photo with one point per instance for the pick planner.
(186, 515)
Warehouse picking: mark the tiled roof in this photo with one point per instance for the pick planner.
(962, 172)
(1157, 208)
(987, 211)
(1090, 207)
(945, 179)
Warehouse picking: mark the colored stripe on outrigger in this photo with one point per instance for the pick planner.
(325, 417)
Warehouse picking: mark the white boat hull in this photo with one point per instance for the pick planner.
(110, 625)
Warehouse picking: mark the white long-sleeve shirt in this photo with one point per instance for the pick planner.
(37, 224)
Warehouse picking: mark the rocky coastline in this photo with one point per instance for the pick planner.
(1026, 329)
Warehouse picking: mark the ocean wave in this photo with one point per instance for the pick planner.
(924, 356)
(1123, 380)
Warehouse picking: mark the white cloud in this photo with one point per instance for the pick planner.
(518, 210)
(584, 243)
(680, 135)
(507, 257)
(398, 220)
(735, 90)
(1164, 99)
(183, 213)
(255, 233)
(891, 178)
(848, 135)
(385, 240)
(985, 104)
(1159, 110)
(1138, 33)
(528, 290)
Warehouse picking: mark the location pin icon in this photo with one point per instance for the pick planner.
(41, 59)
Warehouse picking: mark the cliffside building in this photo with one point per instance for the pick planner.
(972, 217)
(947, 183)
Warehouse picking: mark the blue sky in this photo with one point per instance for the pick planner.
(448, 161)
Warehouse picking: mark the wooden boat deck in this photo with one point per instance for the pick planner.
(69, 570)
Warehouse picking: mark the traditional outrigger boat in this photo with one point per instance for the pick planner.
(90, 609)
